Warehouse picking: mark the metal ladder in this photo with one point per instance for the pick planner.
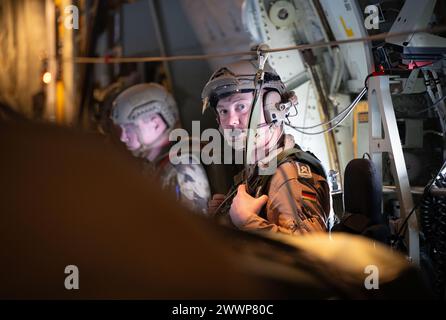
(382, 120)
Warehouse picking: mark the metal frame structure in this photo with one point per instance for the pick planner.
(382, 120)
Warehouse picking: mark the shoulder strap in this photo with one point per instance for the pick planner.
(296, 154)
(302, 156)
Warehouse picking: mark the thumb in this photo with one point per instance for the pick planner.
(242, 189)
(261, 201)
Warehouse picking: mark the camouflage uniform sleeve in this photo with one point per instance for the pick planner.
(296, 205)
(193, 187)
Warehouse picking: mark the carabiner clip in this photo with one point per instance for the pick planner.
(262, 56)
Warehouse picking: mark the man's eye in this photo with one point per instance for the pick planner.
(222, 112)
(241, 106)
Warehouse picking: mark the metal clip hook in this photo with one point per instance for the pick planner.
(262, 56)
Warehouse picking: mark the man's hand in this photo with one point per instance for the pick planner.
(215, 202)
(243, 206)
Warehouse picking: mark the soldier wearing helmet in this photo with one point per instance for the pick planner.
(146, 114)
(294, 199)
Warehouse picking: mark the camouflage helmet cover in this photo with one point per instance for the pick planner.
(145, 98)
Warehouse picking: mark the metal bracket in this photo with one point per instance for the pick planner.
(410, 84)
(262, 56)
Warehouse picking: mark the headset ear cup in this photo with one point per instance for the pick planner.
(270, 101)
(266, 112)
(271, 97)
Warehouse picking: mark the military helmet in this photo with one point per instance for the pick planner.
(145, 98)
(236, 77)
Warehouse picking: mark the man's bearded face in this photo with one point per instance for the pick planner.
(233, 115)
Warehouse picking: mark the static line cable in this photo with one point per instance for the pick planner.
(380, 36)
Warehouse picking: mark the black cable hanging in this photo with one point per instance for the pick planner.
(433, 224)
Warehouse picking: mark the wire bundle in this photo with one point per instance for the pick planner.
(433, 223)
